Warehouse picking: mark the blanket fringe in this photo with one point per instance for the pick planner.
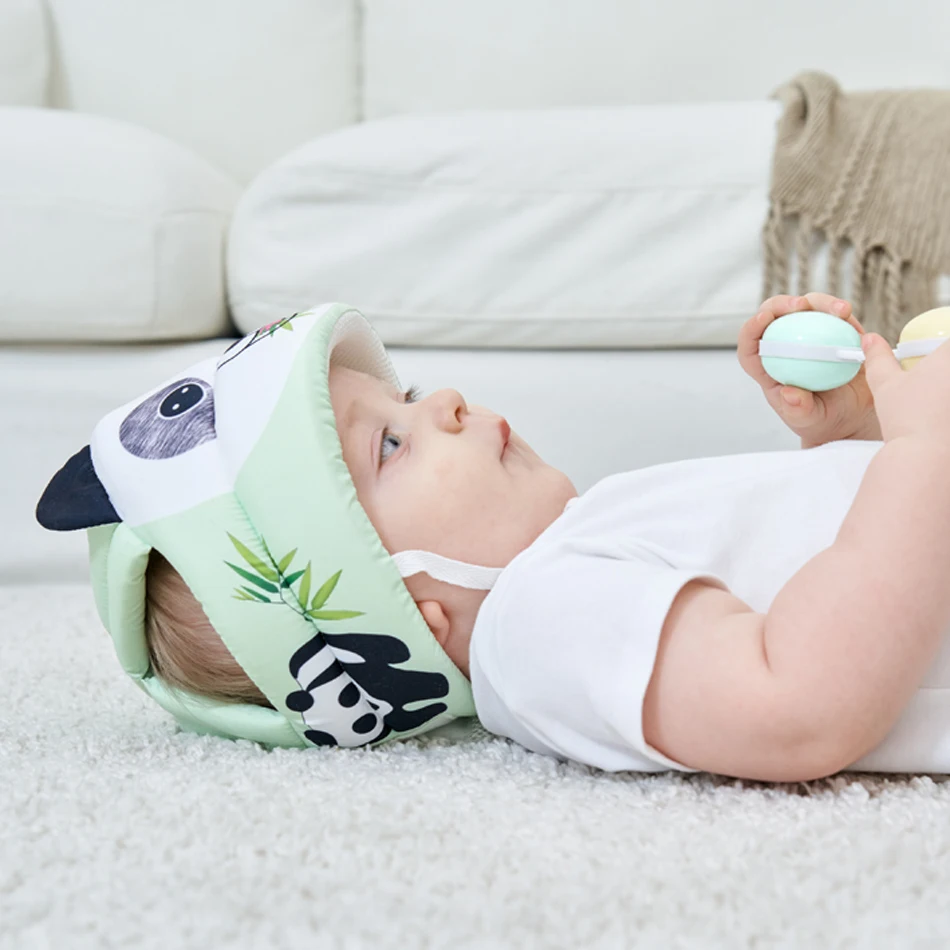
(861, 172)
(885, 291)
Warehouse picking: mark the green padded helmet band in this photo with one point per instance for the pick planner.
(233, 470)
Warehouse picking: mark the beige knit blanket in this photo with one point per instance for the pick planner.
(867, 169)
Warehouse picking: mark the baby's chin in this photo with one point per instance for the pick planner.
(561, 485)
(525, 450)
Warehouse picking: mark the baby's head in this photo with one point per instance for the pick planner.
(435, 474)
(432, 473)
(314, 518)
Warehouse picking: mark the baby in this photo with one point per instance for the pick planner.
(747, 615)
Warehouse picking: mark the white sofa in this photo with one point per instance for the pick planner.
(552, 205)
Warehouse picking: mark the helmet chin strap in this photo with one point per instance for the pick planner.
(445, 569)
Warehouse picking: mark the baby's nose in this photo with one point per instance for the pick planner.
(452, 409)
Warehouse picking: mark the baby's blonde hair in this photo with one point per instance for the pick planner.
(184, 649)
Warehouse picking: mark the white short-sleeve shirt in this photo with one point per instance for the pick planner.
(565, 643)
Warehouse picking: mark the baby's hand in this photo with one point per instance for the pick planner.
(816, 418)
(914, 403)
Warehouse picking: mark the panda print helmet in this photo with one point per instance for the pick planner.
(234, 471)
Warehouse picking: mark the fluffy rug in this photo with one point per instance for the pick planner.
(118, 831)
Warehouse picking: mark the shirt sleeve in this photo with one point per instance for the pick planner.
(562, 656)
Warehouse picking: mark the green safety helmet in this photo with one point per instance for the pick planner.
(233, 470)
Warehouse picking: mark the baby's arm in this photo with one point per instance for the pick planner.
(820, 680)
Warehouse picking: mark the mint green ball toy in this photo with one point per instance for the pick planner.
(811, 350)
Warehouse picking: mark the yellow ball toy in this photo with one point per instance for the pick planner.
(923, 335)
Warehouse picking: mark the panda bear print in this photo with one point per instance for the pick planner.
(336, 670)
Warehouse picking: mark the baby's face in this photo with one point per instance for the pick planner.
(439, 475)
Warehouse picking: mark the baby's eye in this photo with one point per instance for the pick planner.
(412, 394)
(390, 440)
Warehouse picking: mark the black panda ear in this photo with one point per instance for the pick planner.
(75, 498)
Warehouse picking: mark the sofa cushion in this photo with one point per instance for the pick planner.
(238, 81)
(24, 53)
(107, 232)
(635, 226)
(430, 56)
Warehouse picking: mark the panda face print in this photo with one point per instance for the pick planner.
(171, 422)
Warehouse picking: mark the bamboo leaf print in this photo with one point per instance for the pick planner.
(269, 577)
(253, 578)
(322, 595)
(265, 570)
(292, 578)
(334, 614)
(305, 586)
(257, 594)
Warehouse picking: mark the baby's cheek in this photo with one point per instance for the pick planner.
(448, 499)
(414, 514)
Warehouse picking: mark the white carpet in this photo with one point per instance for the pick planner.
(119, 832)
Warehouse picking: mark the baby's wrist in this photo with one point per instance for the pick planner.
(870, 429)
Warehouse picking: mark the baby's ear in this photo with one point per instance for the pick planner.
(436, 618)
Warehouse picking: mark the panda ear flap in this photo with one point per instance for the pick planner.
(75, 498)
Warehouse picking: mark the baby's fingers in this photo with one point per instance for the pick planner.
(880, 364)
(835, 305)
(783, 304)
(799, 409)
(828, 304)
(747, 347)
(797, 400)
(803, 412)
